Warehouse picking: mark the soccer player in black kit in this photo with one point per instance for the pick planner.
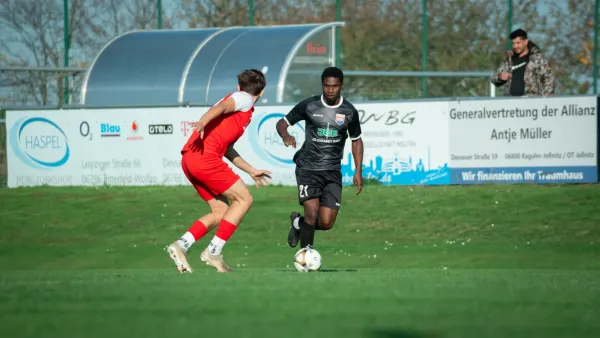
(330, 120)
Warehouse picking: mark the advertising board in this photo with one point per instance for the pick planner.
(541, 140)
(538, 140)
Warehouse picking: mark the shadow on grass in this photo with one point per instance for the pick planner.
(323, 270)
(399, 333)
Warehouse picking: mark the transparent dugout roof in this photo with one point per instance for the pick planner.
(199, 66)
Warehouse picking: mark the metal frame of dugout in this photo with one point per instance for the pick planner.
(199, 66)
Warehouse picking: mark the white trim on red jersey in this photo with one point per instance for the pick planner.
(243, 101)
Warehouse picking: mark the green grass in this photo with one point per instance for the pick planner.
(480, 261)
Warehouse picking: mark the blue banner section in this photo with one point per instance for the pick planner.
(539, 175)
(398, 171)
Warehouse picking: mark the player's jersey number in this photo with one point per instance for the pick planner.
(303, 189)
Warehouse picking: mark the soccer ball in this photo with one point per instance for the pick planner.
(307, 260)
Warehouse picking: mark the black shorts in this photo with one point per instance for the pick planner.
(326, 185)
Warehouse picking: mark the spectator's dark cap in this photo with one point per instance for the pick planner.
(519, 33)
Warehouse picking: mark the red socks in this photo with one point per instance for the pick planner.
(198, 230)
(224, 232)
(194, 233)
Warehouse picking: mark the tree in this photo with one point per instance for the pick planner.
(569, 45)
(35, 38)
(34, 31)
(212, 13)
(386, 35)
(383, 35)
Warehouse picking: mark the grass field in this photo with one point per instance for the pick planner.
(481, 261)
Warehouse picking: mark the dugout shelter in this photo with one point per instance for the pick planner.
(199, 66)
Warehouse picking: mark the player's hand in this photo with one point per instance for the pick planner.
(261, 176)
(504, 76)
(289, 141)
(199, 126)
(358, 182)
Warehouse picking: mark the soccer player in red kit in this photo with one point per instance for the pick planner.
(215, 181)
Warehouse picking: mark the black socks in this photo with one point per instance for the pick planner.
(307, 233)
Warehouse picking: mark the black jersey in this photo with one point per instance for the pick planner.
(327, 128)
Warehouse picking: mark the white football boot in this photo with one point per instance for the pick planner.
(179, 256)
(215, 261)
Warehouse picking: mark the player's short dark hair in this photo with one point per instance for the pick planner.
(519, 33)
(332, 72)
(252, 81)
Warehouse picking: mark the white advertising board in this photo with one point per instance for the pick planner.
(543, 140)
(97, 147)
(404, 144)
(458, 142)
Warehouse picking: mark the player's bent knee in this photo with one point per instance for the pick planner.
(246, 198)
(326, 225)
(239, 193)
(249, 201)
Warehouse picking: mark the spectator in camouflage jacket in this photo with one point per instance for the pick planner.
(525, 71)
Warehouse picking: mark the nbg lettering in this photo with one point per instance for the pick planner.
(42, 142)
(389, 118)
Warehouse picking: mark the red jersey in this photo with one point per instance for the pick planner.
(224, 130)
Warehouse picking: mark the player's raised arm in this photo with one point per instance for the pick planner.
(355, 133)
(223, 107)
(259, 176)
(295, 115)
